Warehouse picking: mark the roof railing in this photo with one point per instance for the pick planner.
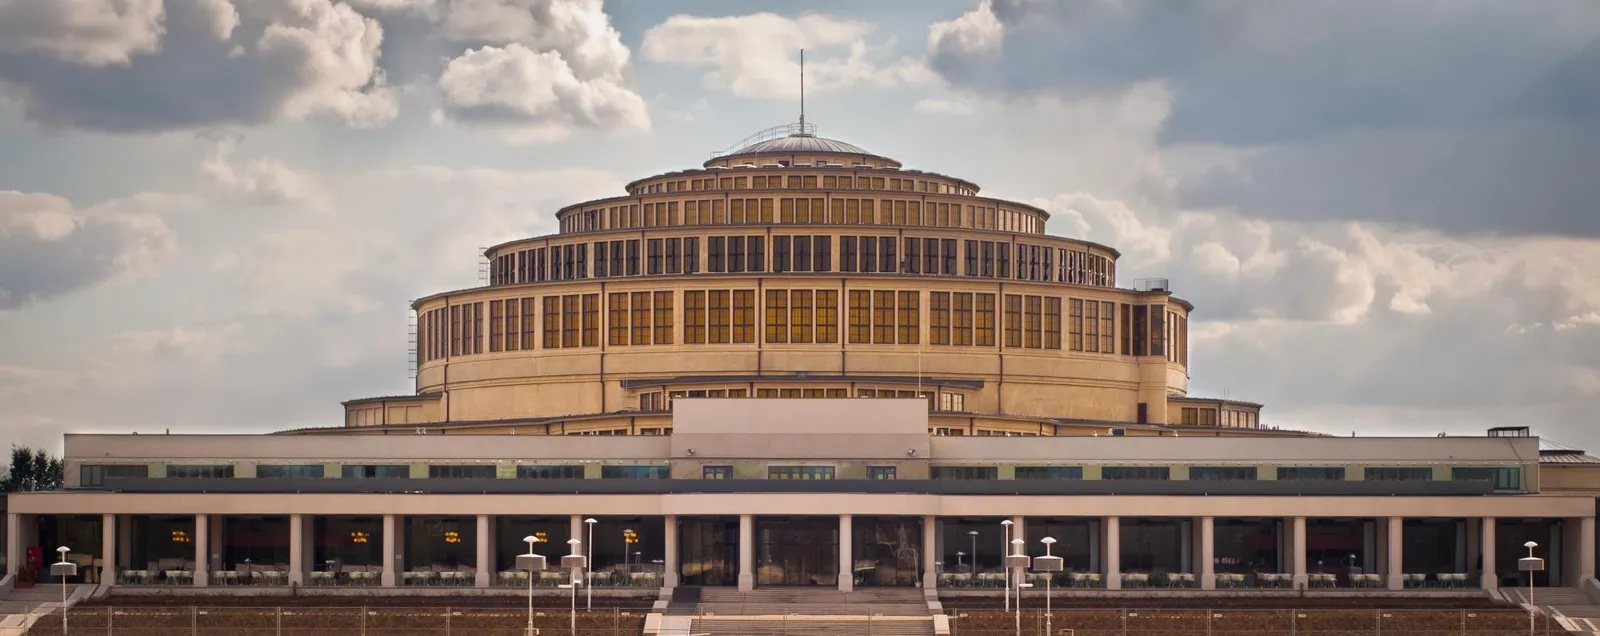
(775, 132)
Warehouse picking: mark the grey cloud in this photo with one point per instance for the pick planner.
(48, 249)
(272, 60)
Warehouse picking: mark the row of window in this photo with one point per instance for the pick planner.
(937, 400)
(805, 210)
(800, 316)
(803, 253)
(778, 181)
(1503, 478)
(1230, 418)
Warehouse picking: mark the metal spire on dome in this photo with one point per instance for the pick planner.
(802, 91)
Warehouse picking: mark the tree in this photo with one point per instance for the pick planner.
(31, 470)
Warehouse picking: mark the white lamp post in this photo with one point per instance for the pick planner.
(1050, 565)
(1530, 564)
(1019, 605)
(588, 552)
(530, 563)
(63, 569)
(1004, 546)
(576, 563)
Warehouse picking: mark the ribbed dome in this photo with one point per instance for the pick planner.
(800, 143)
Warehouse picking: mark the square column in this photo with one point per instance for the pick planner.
(1394, 570)
(13, 542)
(484, 561)
(1297, 551)
(1585, 551)
(1113, 558)
(1208, 548)
(670, 538)
(202, 552)
(930, 528)
(108, 549)
(297, 550)
(747, 553)
(1488, 579)
(391, 557)
(847, 564)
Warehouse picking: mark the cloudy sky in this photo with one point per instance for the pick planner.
(214, 213)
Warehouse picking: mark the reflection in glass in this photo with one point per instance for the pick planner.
(800, 551)
(886, 550)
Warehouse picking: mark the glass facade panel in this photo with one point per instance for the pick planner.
(1311, 473)
(1155, 546)
(1222, 473)
(886, 551)
(797, 551)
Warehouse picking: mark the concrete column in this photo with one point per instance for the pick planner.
(930, 528)
(391, 557)
(1297, 552)
(1488, 579)
(747, 553)
(670, 538)
(202, 551)
(1395, 569)
(1208, 548)
(13, 543)
(847, 569)
(484, 562)
(108, 549)
(297, 550)
(1585, 569)
(1112, 540)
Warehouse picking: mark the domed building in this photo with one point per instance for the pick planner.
(797, 266)
(813, 367)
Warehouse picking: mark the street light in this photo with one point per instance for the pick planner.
(530, 563)
(1530, 564)
(588, 551)
(1016, 561)
(1006, 524)
(1050, 565)
(576, 563)
(63, 569)
(1019, 605)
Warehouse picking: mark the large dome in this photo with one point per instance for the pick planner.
(800, 143)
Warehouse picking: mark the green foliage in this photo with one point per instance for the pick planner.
(31, 470)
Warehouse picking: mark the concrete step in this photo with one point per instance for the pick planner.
(811, 626)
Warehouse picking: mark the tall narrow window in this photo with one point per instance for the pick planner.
(673, 247)
(591, 320)
(777, 316)
(736, 255)
(497, 325)
(860, 316)
(1108, 313)
(847, 253)
(1075, 324)
(883, 317)
(780, 254)
(617, 326)
(802, 253)
(983, 321)
(939, 318)
(1141, 330)
(755, 253)
(717, 261)
(513, 336)
(691, 255)
(663, 309)
(822, 253)
(530, 323)
(744, 316)
(1158, 341)
(694, 317)
(1091, 326)
(633, 257)
(869, 254)
(887, 263)
(653, 256)
(1013, 324)
(601, 265)
(910, 317)
(455, 330)
(961, 319)
(569, 320)
(641, 318)
(1033, 322)
(1052, 322)
(719, 314)
(800, 316)
(827, 317)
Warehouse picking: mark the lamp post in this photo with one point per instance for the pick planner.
(1019, 605)
(588, 551)
(1530, 564)
(1016, 561)
(974, 565)
(1006, 524)
(1050, 565)
(530, 563)
(576, 563)
(63, 569)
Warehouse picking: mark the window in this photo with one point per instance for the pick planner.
(1503, 477)
(939, 318)
(653, 256)
(1013, 326)
(1311, 473)
(777, 323)
(860, 316)
(716, 472)
(1049, 472)
(591, 320)
(800, 316)
(1222, 473)
(1135, 472)
(1052, 322)
(966, 472)
(847, 254)
(883, 317)
(807, 473)
(641, 318)
(827, 316)
(663, 310)
(780, 254)
(744, 316)
(375, 472)
(718, 245)
(1032, 322)
(617, 326)
(694, 317)
(822, 253)
(460, 472)
(635, 472)
(1158, 333)
(549, 472)
(94, 475)
(1398, 473)
(880, 472)
(1075, 324)
(691, 255)
(983, 328)
(910, 317)
(802, 254)
(1108, 312)
(496, 325)
(222, 471)
(719, 314)
(309, 471)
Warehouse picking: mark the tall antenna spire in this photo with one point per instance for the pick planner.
(802, 91)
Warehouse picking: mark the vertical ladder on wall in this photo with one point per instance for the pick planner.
(413, 341)
(483, 266)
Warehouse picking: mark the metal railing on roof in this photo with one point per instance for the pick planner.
(775, 132)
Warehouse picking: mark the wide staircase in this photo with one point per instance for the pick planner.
(1569, 602)
(799, 612)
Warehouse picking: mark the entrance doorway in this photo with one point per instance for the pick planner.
(797, 551)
